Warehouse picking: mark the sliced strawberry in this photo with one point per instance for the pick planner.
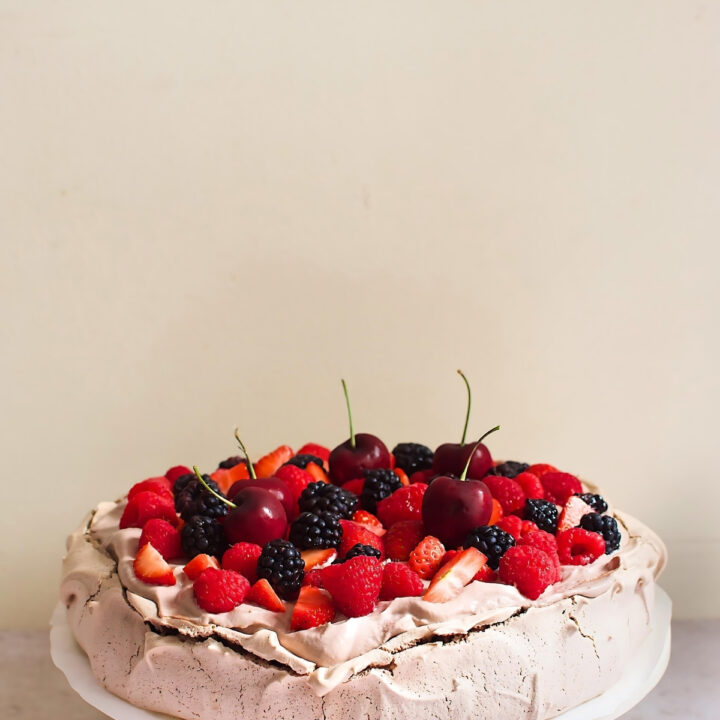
(354, 534)
(313, 607)
(497, 512)
(455, 575)
(485, 574)
(318, 558)
(150, 567)
(262, 594)
(572, 513)
(222, 478)
(269, 464)
(318, 473)
(368, 520)
(200, 563)
(404, 479)
(177, 471)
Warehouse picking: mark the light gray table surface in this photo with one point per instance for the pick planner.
(32, 688)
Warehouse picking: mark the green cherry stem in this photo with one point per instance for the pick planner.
(251, 469)
(469, 403)
(463, 477)
(210, 490)
(347, 402)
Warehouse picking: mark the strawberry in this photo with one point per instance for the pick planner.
(400, 581)
(164, 537)
(539, 469)
(507, 492)
(219, 591)
(157, 485)
(221, 477)
(560, 487)
(318, 558)
(313, 577)
(427, 557)
(531, 485)
(402, 538)
(177, 471)
(269, 464)
(404, 504)
(497, 512)
(404, 479)
(368, 520)
(150, 567)
(242, 557)
(485, 574)
(355, 486)
(449, 555)
(147, 505)
(295, 478)
(354, 534)
(455, 575)
(572, 513)
(529, 569)
(354, 585)
(313, 607)
(200, 563)
(262, 594)
(317, 450)
(318, 473)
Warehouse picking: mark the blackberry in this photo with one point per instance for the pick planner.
(231, 462)
(491, 541)
(596, 502)
(378, 485)
(181, 482)
(310, 530)
(543, 513)
(510, 469)
(412, 457)
(282, 566)
(606, 525)
(304, 459)
(323, 497)
(194, 499)
(202, 534)
(360, 549)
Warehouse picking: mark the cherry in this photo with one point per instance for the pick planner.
(452, 506)
(361, 451)
(452, 457)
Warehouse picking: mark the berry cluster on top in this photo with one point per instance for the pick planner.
(338, 532)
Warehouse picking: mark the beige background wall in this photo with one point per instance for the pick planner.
(212, 211)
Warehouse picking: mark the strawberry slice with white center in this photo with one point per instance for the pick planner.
(313, 607)
(150, 567)
(200, 563)
(318, 558)
(573, 512)
(452, 577)
(262, 594)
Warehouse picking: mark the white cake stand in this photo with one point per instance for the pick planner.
(642, 674)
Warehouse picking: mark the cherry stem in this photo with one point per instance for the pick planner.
(347, 402)
(469, 403)
(463, 477)
(210, 490)
(250, 467)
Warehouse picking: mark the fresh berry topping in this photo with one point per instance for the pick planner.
(269, 464)
(485, 574)
(531, 485)
(145, 506)
(314, 607)
(574, 510)
(295, 478)
(607, 526)
(301, 460)
(579, 547)
(510, 468)
(368, 520)
(559, 486)
(262, 594)
(317, 472)
(177, 471)
(231, 462)
(449, 555)
(163, 536)
(378, 485)
(539, 469)
(507, 492)
(317, 450)
(360, 549)
(547, 543)
(515, 526)
(242, 557)
(311, 530)
(313, 577)
(354, 585)
(203, 535)
(219, 591)
(596, 502)
(413, 457)
(353, 534)
(427, 557)
(402, 538)
(543, 513)
(491, 541)
(530, 570)
(158, 485)
(453, 576)
(194, 499)
(355, 486)
(321, 497)
(423, 476)
(317, 558)
(281, 564)
(200, 563)
(497, 513)
(404, 504)
(150, 567)
(400, 581)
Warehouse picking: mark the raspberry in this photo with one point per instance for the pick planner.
(540, 469)
(427, 557)
(400, 581)
(314, 449)
(354, 534)
(546, 542)
(510, 469)
(402, 538)
(242, 557)
(507, 492)
(530, 570)
(485, 574)
(354, 585)
(313, 577)
(295, 478)
(579, 547)
(354, 486)
(559, 486)
(605, 525)
(424, 476)
(404, 504)
(491, 541)
(158, 485)
(176, 471)
(543, 513)
(163, 536)
(219, 591)
(510, 524)
(531, 485)
(412, 457)
(145, 506)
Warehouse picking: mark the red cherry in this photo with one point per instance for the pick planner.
(258, 517)
(275, 486)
